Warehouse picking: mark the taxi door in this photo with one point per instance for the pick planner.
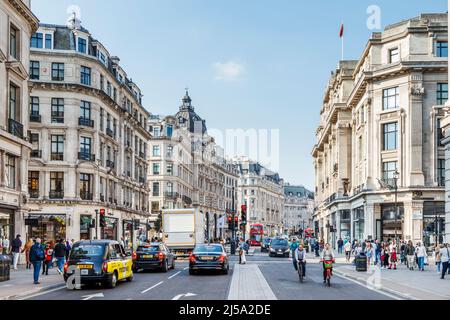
(124, 264)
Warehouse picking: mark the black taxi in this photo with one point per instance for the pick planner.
(98, 261)
(153, 256)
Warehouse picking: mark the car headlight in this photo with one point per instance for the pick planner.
(272, 249)
(287, 250)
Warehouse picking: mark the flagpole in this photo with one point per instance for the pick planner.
(342, 42)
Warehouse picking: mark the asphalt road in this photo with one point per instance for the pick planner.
(178, 284)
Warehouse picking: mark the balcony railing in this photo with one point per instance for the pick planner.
(15, 128)
(86, 195)
(187, 200)
(57, 156)
(35, 117)
(34, 194)
(441, 181)
(109, 164)
(56, 194)
(85, 122)
(171, 195)
(57, 117)
(36, 153)
(86, 156)
(109, 132)
(102, 198)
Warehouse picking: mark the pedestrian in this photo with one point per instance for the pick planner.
(242, 259)
(421, 253)
(403, 259)
(410, 255)
(445, 256)
(16, 248)
(60, 255)
(68, 248)
(5, 245)
(37, 255)
(48, 252)
(340, 244)
(26, 249)
(437, 257)
(369, 253)
(393, 254)
(294, 245)
(386, 257)
(348, 250)
(378, 253)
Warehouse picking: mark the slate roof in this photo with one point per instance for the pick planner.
(187, 114)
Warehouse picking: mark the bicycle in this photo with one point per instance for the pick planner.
(328, 264)
(300, 271)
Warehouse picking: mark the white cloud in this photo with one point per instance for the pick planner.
(228, 71)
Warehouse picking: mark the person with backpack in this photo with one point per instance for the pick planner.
(16, 247)
(60, 255)
(37, 255)
(48, 261)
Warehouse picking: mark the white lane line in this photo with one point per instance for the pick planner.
(146, 290)
(41, 293)
(367, 286)
(186, 268)
(174, 275)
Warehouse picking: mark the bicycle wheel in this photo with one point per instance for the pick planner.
(300, 272)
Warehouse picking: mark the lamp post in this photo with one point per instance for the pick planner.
(396, 177)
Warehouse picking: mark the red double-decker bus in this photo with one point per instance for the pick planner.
(256, 234)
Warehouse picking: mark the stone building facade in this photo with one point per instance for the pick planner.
(88, 135)
(380, 129)
(17, 23)
(298, 208)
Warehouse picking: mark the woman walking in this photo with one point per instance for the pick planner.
(48, 252)
(437, 257)
(393, 253)
(421, 253)
(26, 250)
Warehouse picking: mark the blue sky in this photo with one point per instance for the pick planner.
(259, 64)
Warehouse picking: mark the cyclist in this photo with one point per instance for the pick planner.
(293, 247)
(327, 255)
(300, 257)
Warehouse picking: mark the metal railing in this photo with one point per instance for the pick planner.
(57, 156)
(15, 128)
(35, 118)
(109, 132)
(34, 194)
(86, 156)
(85, 122)
(36, 154)
(56, 194)
(86, 195)
(109, 164)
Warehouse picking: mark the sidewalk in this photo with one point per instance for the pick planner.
(416, 285)
(21, 283)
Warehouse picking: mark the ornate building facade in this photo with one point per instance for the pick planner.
(379, 160)
(89, 136)
(17, 23)
(298, 208)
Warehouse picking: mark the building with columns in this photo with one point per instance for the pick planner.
(17, 24)
(379, 160)
(88, 135)
(298, 208)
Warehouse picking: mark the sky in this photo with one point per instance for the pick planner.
(253, 64)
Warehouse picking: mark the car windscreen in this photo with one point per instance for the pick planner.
(279, 242)
(148, 249)
(86, 251)
(208, 249)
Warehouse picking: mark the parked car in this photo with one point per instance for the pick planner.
(99, 261)
(208, 257)
(153, 256)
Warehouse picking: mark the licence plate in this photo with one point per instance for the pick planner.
(84, 266)
(207, 258)
(147, 256)
(84, 272)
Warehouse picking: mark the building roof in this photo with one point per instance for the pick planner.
(298, 191)
(189, 118)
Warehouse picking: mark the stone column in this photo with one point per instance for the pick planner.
(416, 129)
(369, 221)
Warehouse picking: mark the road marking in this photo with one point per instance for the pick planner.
(367, 286)
(178, 297)
(174, 275)
(91, 296)
(186, 268)
(41, 293)
(146, 290)
(248, 283)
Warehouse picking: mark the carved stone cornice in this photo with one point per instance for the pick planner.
(26, 12)
(18, 68)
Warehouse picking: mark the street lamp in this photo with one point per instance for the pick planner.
(396, 177)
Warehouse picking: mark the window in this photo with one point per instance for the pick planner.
(102, 58)
(156, 131)
(388, 172)
(85, 146)
(81, 45)
(34, 70)
(101, 120)
(34, 109)
(169, 130)
(439, 133)
(115, 94)
(57, 71)
(102, 82)
(85, 76)
(57, 110)
(156, 189)
(156, 168)
(33, 184)
(441, 172)
(34, 140)
(390, 136)
(156, 151)
(170, 169)
(394, 55)
(56, 185)
(85, 186)
(390, 98)
(57, 147)
(13, 111)
(441, 49)
(442, 93)
(169, 188)
(10, 171)
(48, 41)
(14, 42)
(37, 40)
(169, 151)
(108, 88)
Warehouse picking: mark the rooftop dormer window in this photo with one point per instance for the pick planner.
(37, 40)
(82, 45)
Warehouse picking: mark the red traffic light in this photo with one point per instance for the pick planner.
(102, 212)
(236, 219)
(244, 207)
(229, 218)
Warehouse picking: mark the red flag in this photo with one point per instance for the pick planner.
(341, 32)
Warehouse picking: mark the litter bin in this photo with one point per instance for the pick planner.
(5, 265)
(361, 262)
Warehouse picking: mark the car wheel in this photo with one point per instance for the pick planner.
(135, 269)
(173, 264)
(130, 278)
(191, 272)
(113, 281)
(165, 268)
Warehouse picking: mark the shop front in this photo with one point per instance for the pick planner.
(127, 232)
(109, 232)
(358, 224)
(85, 227)
(6, 227)
(433, 224)
(392, 223)
(345, 224)
(48, 227)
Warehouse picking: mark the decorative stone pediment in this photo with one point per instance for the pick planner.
(18, 68)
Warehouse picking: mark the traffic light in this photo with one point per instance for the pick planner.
(102, 218)
(230, 221)
(236, 221)
(137, 223)
(244, 214)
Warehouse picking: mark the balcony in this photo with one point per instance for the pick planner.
(57, 156)
(34, 194)
(57, 117)
(15, 128)
(86, 156)
(109, 132)
(109, 164)
(441, 182)
(102, 198)
(110, 200)
(84, 195)
(34, 117)
(171, 195)
(142, 180)
(142, 155)
(36, 154)
(187, 200)
(85, 122)
(58, 194)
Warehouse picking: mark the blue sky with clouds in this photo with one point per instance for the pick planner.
(259, 64)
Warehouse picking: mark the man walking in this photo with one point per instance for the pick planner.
(421, 253)
(16, 246)
(340, 244)
(410, 255)
(36, 258)
(60, 255)
(445, 256)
